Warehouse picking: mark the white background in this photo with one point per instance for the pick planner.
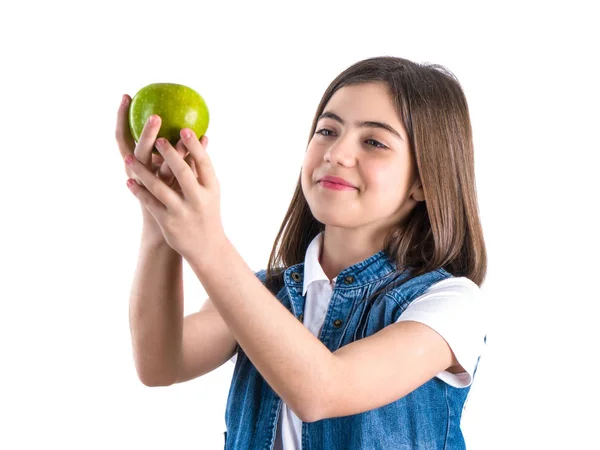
(70, 227)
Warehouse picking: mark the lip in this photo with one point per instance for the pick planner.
(337, 180)
(335, 186)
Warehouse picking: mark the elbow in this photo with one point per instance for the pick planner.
(313, 406)
(156, 383)
(309, 412)
(309, 416)
(154, 374)
(151, 380)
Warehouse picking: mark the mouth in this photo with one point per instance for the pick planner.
(329, 180)
(336, 186)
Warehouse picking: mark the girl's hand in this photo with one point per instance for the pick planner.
(143, 150)
(189, 217)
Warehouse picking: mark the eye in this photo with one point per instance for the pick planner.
(324, 132)
(375, 143)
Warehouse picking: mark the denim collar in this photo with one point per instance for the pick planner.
(371, 269)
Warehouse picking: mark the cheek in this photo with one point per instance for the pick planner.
(379, 176)
(389, 181)
(306, 174)
(310, 162)
(311, 151)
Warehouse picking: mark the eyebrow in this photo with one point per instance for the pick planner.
(367, 124)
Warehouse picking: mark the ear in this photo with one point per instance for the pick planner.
(417, 193)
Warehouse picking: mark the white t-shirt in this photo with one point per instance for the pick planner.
(452, 307)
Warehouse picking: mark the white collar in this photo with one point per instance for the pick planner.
(312, 267)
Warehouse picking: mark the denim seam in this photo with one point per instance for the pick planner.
(401, 302)
(273, 434)
(353, 309)
(366, 306)
(448, 413)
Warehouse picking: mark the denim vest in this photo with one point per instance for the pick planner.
(427, 418)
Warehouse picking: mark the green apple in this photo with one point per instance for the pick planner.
(178, 107)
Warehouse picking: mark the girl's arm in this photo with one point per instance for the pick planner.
(167, 347)
(314, 382)
(156, 312)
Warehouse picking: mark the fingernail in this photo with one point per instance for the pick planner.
(125, 100)
(186, 134)
(153, 120)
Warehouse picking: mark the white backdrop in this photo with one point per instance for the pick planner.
(70, 227)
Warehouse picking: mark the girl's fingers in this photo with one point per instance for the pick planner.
(190, 160)
(203, 165)
(143, 149)
(171, 182)
(125, 142)
(149, 201)
(127, 146)
(154, 169)
(153, 184)
(165, 172)
(180, 168)
(157, 159)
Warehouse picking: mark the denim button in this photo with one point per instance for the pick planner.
(337, 323)
(349, 279)
(296, 276)
(301, 317)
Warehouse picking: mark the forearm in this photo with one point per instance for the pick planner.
(156, 312)
(292, 360)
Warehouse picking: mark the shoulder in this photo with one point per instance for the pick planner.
(415, 286)
(450, 297)
(456, 310)
(454, 286)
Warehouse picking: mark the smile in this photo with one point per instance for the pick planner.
(336, 187)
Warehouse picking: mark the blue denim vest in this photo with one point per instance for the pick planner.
(427, 418)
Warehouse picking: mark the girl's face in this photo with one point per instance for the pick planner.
(359, 137)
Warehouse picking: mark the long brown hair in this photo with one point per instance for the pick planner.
(444, 231)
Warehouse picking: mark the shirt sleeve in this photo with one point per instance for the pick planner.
(454, 309)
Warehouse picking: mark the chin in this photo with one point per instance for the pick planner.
(331, 218)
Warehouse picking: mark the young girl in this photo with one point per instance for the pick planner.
(365, 330)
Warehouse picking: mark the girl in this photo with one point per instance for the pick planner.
(365, 329)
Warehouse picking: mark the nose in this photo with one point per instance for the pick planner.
(341, 152)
